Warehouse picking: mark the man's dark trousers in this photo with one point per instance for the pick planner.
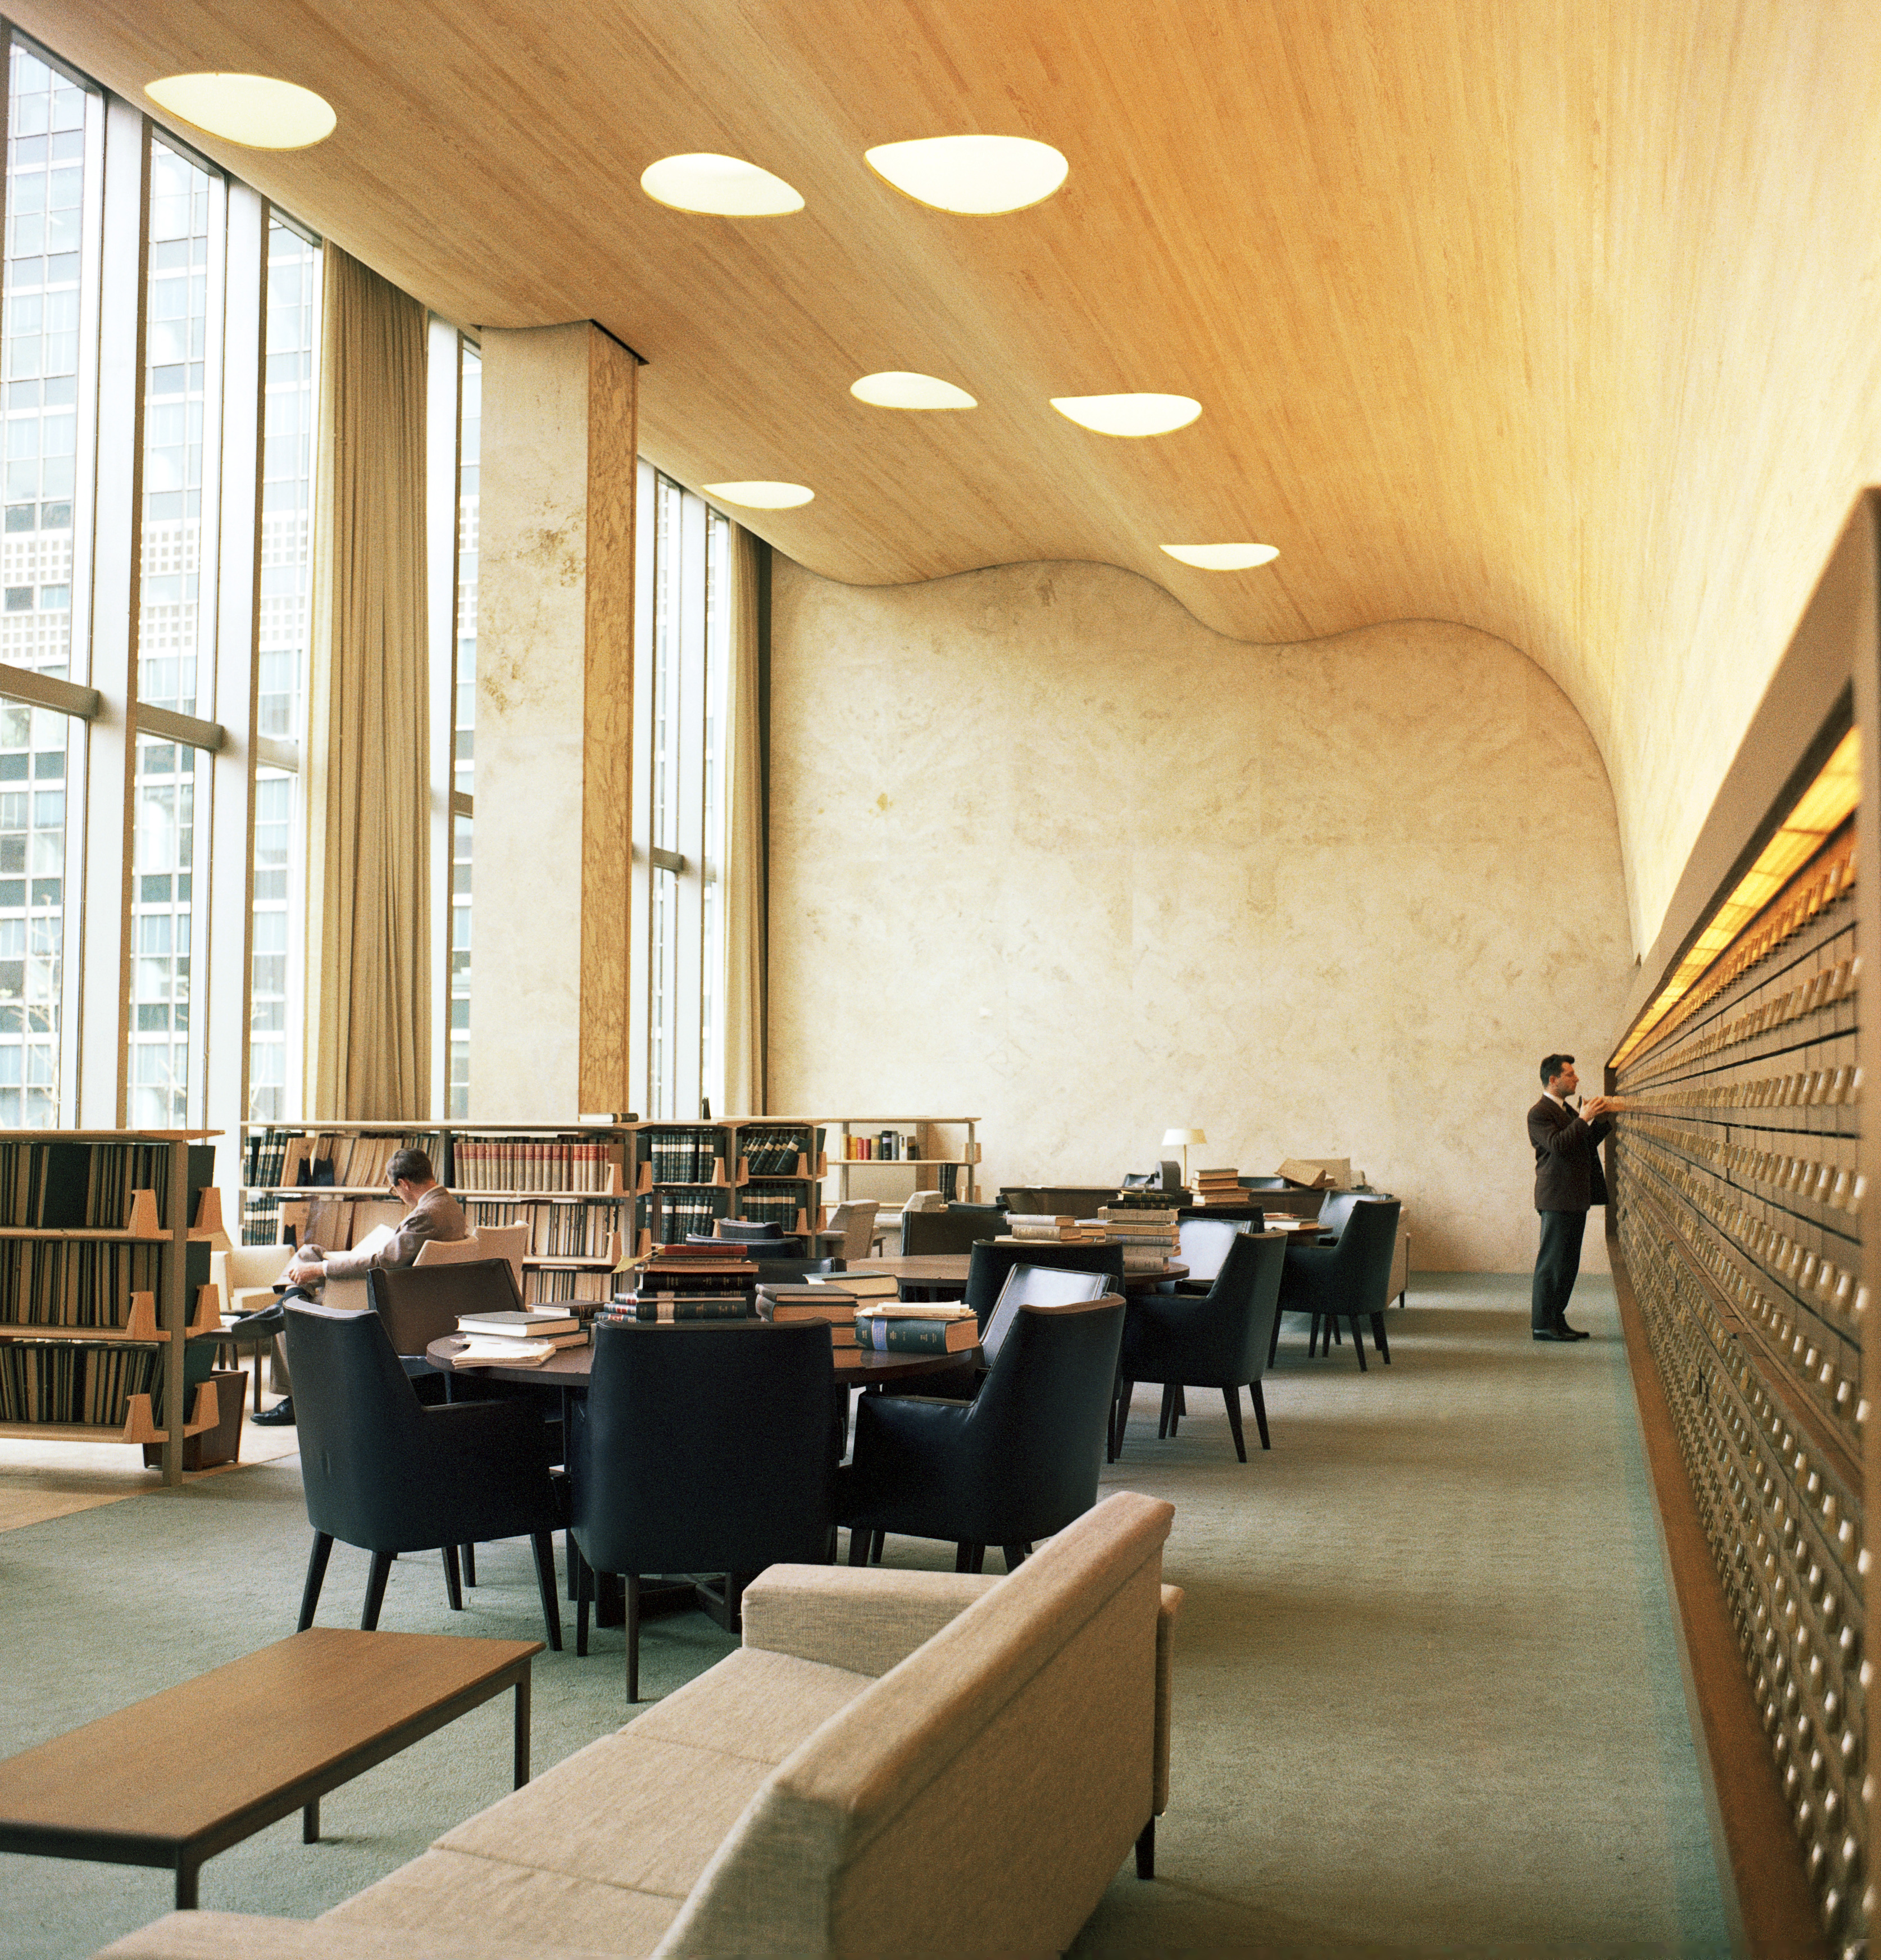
(1557, 1266)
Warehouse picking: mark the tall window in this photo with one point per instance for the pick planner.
(53, 131)
(464, 718)
(290, 396)
(688, 605)
(176, 622)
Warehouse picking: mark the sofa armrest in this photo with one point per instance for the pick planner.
(1165, 1691)
(863, 1619)
(241, 1935)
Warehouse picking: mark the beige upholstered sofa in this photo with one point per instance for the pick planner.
(892, 1763)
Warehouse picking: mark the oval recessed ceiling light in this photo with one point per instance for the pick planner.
(725, 187)
(258, 111)
(977, 175)
(900, 390)
(1224, 558)
(762, 496)
(1128, 414)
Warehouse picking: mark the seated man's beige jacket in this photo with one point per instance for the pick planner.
(436, 1215)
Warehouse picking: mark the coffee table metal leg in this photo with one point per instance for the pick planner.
(522, 1728)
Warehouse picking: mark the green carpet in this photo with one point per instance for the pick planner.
(1428, 1695)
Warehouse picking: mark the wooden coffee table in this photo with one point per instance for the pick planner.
(144, 1787)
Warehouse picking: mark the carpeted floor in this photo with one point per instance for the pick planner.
(1428, 1697)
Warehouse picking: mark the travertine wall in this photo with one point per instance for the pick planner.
(1046, 850)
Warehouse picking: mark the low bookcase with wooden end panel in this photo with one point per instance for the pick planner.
(870, 1157)
(781, 1167)
(108, 1322)
(567, 1183)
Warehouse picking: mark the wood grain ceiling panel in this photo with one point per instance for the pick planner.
(1556, 318)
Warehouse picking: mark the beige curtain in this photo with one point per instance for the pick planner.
(367, 771)
(742, 876)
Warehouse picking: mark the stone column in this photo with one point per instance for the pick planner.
(550, 873)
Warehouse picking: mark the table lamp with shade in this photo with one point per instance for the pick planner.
(1185, 1137)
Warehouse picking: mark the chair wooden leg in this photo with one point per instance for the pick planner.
(860, 1538)
(544, 1543)
(453, 1581)
(1119, 1417)
(1377, 1335)
(1014, 1555)
(1312, 1338)
(467, 1563)
(1274, 1340)
(1261, 1413)
(1182, 1400)
(1358, 1345)
(963, 1552)
(257, 1356)
(1166, 1412)
(1232, 1397)
(376, 1590)
(320, 1551)
(574, 1561)
(977, 1564)
(878, 1548)
(1146, 1851)
(633, 1636)
(584, 1587)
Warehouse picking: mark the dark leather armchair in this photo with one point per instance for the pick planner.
(1013, 1466)
(955, 1230)
(380, 1472)
(1218, 1341)
(701, 1448)
(418, 1304)
(1349, 1282)
(988, 1266)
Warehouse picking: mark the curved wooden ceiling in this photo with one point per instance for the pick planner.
(1557, 319)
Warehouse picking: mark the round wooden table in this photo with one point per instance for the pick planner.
(568, 1367)
(927, 1272)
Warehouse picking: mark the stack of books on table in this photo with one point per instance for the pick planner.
(1219, 1187)
(788, 1302)
(714, 1282)
(1048, 1229)
(1147, 1232)
(936, 1329)
(834, 1297)
(524, 1339)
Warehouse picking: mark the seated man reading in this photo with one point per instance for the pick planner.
(432, 1213)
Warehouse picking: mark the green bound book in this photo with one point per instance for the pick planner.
(692, 1306)
(898, 1335)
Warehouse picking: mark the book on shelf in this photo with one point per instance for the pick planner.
(928, 1334)
(531, 1163)
(557, 1231)
(537, 1320)
(685, 1153)
(545, 1286)
(775, 1149)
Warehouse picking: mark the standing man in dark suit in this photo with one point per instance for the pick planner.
(1568, 1181)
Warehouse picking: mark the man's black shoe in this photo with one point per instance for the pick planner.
(1568, 1333)
(1536, 1333)
(280, 1417)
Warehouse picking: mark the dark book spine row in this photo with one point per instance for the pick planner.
(775, 1153)
(563, 1285)
(763, 1206)
(684, 1156)
(64, 1381)
(76, 1283)
(261, 1220)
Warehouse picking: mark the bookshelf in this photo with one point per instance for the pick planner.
(947, 1146)
(108, 1320)
(567, 1183)
(687, 1176)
